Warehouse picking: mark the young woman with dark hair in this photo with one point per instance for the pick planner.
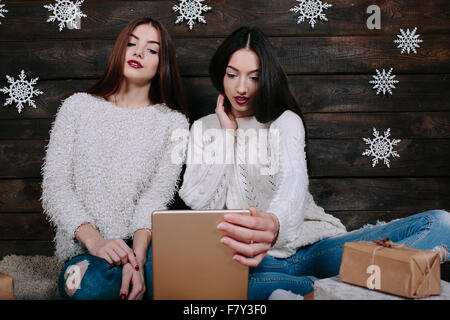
(108, 166)
(288, 241)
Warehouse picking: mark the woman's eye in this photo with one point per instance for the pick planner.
(231, 75)
(255, 78)
(130, 44)
(152, 51)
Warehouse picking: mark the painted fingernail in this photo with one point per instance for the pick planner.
(220, 226)
(136, 268)
(123, 296)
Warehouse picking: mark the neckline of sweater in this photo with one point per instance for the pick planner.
(110, 104)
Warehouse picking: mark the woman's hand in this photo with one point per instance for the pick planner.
(137, 281)
(115, 251)
(227, 120)
(250, 236)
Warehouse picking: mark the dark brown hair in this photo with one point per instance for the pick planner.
(166, 85)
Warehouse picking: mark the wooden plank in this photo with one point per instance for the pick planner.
(379, 194)
(342, 158)
(20, 195)
(333, 194)
(298, 55)
(26, 248)
(409, 125)
(326, 158)
(314, 93)
(105, 19)
(28, 226)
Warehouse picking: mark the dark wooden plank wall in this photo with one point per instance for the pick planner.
(329, 68)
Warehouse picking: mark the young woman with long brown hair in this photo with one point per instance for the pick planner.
(108, 166)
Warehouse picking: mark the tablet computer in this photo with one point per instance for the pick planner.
(188, 260)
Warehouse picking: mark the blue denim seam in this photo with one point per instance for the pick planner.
(431, 220)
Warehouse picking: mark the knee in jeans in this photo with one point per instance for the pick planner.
(443, 253)
(73, 276)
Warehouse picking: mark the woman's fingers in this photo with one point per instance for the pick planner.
(106, 257)
(114, 257)
(219, 105)
(137, 287)
(126, 279)
(129, 255)
(251, 262)
(121, 254)
(245, 234)
(247, 250)
(252, 222)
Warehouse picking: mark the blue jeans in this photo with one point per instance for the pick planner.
(426, 230)
(101, 281)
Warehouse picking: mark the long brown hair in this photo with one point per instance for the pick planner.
(166, 85)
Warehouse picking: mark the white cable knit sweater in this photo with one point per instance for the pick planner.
(109, 166)
(239, 185)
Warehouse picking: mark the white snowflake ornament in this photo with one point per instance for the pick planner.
(381, 148)
(311, 9)
(21, 91)
(191, 10)
(66, 12)
(2, 11)
(408, 40)
(384, 81)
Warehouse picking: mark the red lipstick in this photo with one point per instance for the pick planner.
(134, 64)
(241, 100)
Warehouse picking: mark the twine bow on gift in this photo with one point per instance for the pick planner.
(388, 243)
(384, 243)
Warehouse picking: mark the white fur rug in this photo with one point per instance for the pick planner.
(35, 277)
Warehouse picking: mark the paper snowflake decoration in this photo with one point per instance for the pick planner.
(384, 81)
(311, 9)
(381, 148)
(2, 11)
(21, 91)
(408, 40)
(66, 12)
(191, 10)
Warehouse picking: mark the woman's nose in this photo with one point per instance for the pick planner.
(242, 87)
(139, 53)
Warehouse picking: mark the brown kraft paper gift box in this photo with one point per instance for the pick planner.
(392, 268)
(6, 287)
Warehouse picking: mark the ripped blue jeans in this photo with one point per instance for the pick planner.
(429, 230)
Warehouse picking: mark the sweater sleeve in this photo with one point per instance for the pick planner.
(59, 199)
(288, 202)
(163, 185)
(205, 179)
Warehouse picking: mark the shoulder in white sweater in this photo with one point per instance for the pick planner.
(109, 166)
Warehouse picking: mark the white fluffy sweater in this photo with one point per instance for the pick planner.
(109, 166)
(239, 184)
